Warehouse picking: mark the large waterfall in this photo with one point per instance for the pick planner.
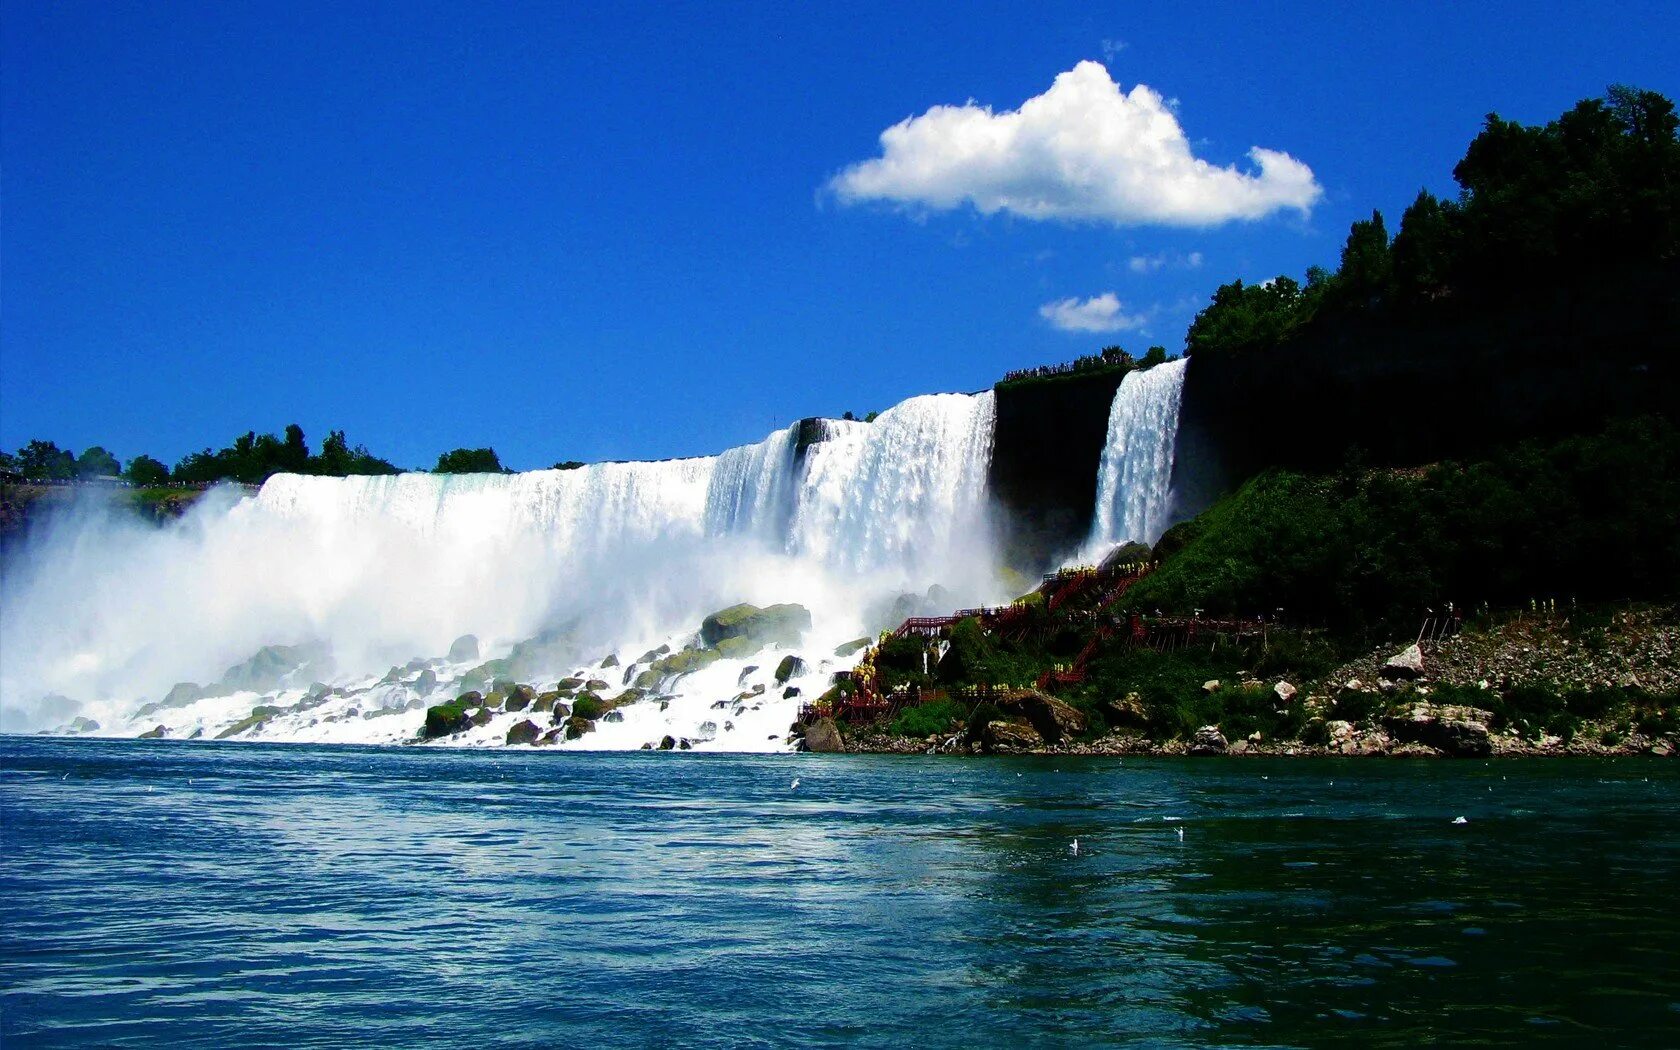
(105, 614)
(1134, 481)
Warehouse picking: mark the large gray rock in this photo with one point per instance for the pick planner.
(1459, 731)
(1208, 741)
(790, 667)
(1404, 665)
(526, 732)
(463, 649)
(823, 736)
(1011, 736)
(773, 625)
(1053, 719)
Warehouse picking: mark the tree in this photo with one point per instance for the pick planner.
(1247, 316)
(567, 464)
(96, 462)
(144, 470)
(1155, 355)
(294, 451)
(1423, 249)
(469, 461)
(1366, 268)
(45, 461)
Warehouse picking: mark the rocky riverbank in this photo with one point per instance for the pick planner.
(1596, 683)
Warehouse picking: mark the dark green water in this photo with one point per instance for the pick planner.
(156, 894)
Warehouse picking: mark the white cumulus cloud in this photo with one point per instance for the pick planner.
(1083, 151)
(1099, 313)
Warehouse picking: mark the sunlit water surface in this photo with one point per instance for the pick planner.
(158, 894)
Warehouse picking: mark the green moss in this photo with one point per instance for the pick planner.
(927, 719)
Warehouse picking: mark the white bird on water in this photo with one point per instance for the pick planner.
(795, 785)
(1181, 834)
(1460, 820)
(1075, 847)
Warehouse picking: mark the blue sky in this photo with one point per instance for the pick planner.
(577, 233)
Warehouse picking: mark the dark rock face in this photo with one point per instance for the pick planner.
(668, 743)
(576, 727)
(426, 682)
(526, 732)
(156, 733)
(1046, 448)
(823, 736)
(463, 649)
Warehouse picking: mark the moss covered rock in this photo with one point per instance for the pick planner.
(526, 732)
(773, 625)
(790, 667)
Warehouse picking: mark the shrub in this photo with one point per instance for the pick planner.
(935, 716)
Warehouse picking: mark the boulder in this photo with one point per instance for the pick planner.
(596, 685)
(790, 692)
(823, 736)
(668, 743)
(790, 667)
(562, 711)
(463, 649)
(1053, 719)
(157, 733)
(550, 738)
(653, 654)
(1011, 736)
(746, 673)
(519, 698)
(268, 666)
(610, 661)
(80, 724)
(481, 717)
(569, 685)
(1458, 731)
(1127, 711)
(1404, 665)
(848, 648)
(1284, 691)
(774, 625)
(1208, 741)
(426, 682)
(576, 727)
(613, 716)
(526, 732)
(1211, 686)
(544, 703)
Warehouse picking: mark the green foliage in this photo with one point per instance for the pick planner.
(935, 716)
(45, 461)
(95, 462)
(1246, 317)
(1588, 517)
(1540, 206)
(144, 470)
(568, 464)
(469, 461)
(253, 458)
(1155, 355)
(450, 717)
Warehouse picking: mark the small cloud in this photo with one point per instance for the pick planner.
(1082, 151)
(1099, 313)
(1111, 49)
(1151, 263)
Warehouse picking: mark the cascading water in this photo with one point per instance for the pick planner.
(752, 490)
(904, 495)
(1134, 481)
(103, 611)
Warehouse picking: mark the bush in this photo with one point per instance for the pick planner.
(935, 716)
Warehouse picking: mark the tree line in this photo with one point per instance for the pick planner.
(250, 459)
(1583, 197)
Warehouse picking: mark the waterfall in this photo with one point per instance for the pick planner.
(105, 613)
(752, 490)
(1134, 481)
(904, 495)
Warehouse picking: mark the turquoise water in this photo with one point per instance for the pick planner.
(210, 895)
